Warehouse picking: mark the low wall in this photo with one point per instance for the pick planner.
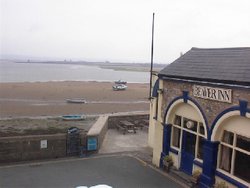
(23, 148)
(35, 147)
(98, 131)
(133, 118)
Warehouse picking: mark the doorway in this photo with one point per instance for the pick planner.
(187, 152)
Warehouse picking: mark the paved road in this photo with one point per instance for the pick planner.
(115, 171)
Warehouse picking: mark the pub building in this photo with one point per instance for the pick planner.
(200, 115)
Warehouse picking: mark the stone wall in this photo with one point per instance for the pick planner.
(25, 148)
(173, 89)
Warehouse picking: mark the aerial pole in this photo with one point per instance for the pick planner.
(152, 58)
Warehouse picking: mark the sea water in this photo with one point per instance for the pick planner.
(43, 72)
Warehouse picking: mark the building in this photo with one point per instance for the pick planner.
(200, 115)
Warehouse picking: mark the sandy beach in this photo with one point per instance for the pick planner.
(49, 98)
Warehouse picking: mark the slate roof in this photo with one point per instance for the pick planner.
(223, 65)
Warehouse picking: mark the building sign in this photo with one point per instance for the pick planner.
(216, 94)
(43, 144)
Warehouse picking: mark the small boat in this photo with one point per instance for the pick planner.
(119, 87)
(73, 117)
(120, 82)
(76, 100)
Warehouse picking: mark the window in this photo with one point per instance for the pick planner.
(176, 137)
(190, 124)
(235, 155)
(194, 128)
(200, 148)
(243, 142)
(177, 120)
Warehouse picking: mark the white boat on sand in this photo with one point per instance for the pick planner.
(119, 87)
(76, 100)
(120, 82)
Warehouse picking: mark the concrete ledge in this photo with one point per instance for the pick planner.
(98, 130)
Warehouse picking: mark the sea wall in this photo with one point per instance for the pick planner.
(24, 148)
(38, 147)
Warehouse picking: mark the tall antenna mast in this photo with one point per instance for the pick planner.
(152, 57)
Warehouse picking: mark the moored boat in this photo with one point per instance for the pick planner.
(120, 82)
(119, 87)
(76, 100)
(73, 117)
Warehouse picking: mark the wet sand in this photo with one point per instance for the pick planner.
(49, 98)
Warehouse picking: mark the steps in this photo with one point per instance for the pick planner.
(182, 177)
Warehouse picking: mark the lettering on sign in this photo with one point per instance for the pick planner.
(217, 94)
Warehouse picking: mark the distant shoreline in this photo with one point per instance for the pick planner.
(137, 67)
(12, 72)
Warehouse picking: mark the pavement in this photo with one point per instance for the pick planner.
(116, 141)
(114, 170)
(124, 161)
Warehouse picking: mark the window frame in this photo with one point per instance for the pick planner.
(196, 133)
(234, 150)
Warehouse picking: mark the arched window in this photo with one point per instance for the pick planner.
(188, 129)
(196, 128)
(234, 148)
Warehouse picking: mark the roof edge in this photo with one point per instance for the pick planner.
(227, 48)
(211, 81)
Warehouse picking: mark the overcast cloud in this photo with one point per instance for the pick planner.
(116, 30)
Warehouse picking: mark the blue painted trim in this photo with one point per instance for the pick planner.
(173, 150)
(210, 151)
(230, 180)
(169, 105)
(155, 88)
(242, 108)
(186, 97)
(161, 159)
(166, 138)
(198, 163)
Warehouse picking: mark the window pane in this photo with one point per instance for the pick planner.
(225, 158)
(242, 166)
(176, 137)
(177, 120)
(228, 137)
(200, 148)
(190, 124)
(202, 130)
(243, 142)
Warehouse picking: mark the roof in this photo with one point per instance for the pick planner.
(223, 65)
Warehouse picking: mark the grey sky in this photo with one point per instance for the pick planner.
(120, 30)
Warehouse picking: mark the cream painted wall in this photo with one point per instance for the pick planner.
(157, 147)
(151, 129)
(152, 121)
(155, 136)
